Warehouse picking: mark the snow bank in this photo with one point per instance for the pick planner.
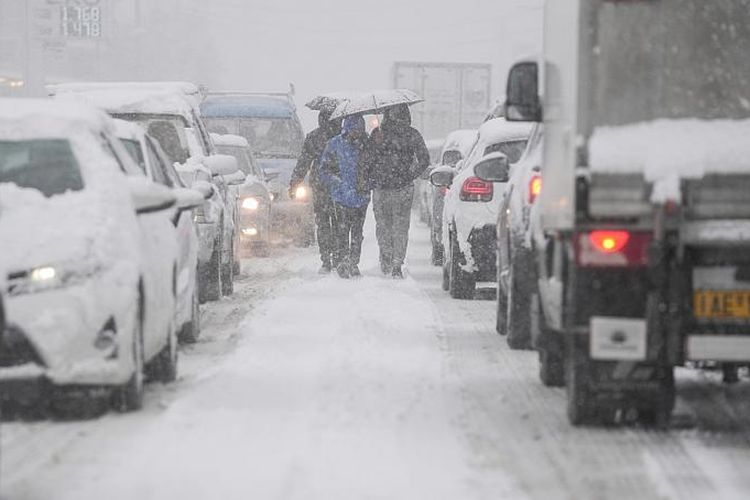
(667, 150)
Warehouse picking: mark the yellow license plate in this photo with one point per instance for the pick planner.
(721, 304)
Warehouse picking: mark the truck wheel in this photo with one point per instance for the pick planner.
(581, 405)
(519, 303)
(461, 283)
(210, 287)
(227, 275)
(660, 413)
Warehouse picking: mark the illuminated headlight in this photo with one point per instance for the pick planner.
(43, 274)
(250, 204)
(250, 231)
(300, 193)
(272, 196)
(45, 278)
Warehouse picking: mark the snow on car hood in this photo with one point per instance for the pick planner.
(665, 151)
(37, 231)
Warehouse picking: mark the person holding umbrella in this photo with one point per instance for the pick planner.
(315, 143)
(340, 170)
(397, 155)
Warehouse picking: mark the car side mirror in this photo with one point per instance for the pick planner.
(442, 176)
(221, 164)
(187, 198)
(204, 188)
(149, 197)
(235, 179)
(493, 168)
(523, 103)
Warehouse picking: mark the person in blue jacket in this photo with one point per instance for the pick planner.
(341, 171)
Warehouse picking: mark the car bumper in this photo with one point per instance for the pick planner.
(253, 227)
(52, 334)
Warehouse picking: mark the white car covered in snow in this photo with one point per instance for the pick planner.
(254, 195)
(471, 207)
(90, 259)
(147, 153)
(171, 115)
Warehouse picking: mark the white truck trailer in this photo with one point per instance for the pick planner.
(457, 95)
(642, 232)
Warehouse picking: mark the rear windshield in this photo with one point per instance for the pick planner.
(168, 130)
(47, 165)
(512, 149)
(268, 137)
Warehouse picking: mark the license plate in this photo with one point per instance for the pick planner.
(721, 304)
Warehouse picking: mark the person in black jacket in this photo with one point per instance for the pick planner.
(396, 156)
(315, 143)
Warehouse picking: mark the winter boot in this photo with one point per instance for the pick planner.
(325, 268)
(386, 267)
(343, 270)
(354, 271)
(396, 273)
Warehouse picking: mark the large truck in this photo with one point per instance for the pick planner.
(642, 230)
(457, 95)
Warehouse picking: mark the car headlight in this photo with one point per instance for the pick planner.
(300, 193)
(45, 278)
(250, 203)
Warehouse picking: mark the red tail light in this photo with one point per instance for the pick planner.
(475, 189)
(535, 187)
(612, 249)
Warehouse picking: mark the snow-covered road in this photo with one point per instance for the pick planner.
(311, 387)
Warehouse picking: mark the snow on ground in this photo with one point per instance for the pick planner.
(307, 386)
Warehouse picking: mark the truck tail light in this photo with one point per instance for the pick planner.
(475, 189)
(612, 249)
(535, 187)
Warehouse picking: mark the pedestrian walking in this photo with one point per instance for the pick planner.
(341, 171)
(397, 155)
(315, 143)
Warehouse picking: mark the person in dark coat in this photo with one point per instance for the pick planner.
(396, 156)
(340, 170)
(315, 143)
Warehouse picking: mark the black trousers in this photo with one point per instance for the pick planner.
(325, 221)
(349, 225)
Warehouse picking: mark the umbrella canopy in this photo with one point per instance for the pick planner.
(375, 102)
(331, 100)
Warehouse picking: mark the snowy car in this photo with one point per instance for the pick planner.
(422, 187)
(147, 153)
(254, 195)
(173, 118)
(457, 145)
(90, 259)
(270, 124)
(471, 208)
(515, 264)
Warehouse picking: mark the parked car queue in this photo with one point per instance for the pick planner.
(119, 215)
